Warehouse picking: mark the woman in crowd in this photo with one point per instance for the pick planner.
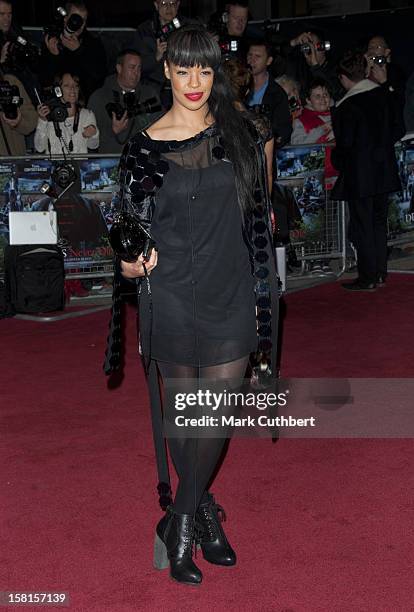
(77, 133)
(196, 179)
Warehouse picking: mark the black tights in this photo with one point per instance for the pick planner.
(196, 458)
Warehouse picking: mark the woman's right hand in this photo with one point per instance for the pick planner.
(136, 269)
(43, 110)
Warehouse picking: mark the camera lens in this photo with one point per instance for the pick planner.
(74, 23)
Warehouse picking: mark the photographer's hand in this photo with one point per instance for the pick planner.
(13, 123)
(70, 41)
(119, 125)
(161, 49)
(136, 269)
(311, 58)
(302, 39)
(52, 44)
(89, 131)
(4, 52)
(43, 110)
(378, 73)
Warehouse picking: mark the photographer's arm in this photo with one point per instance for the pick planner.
(90, 129)
(28, 112)
(41, 136)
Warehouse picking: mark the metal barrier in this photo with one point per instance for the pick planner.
(317, 223)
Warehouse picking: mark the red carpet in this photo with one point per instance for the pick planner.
(318, 525)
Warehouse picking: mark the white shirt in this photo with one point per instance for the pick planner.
(45, 134)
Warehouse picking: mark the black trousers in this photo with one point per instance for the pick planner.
(368, 233)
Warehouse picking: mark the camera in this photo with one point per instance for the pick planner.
(22, 53)
(166, 29)
(294, 104)
(322, 45)
(10, 99)
(58, 108)
(229, 46)
(59, 27)
(132, 106)
(381, 60)
(64, 174)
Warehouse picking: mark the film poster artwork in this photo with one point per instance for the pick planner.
(10, 200)
(99, 175)
(84, 221)
(401, 211)
(83, 218)
(301, 170)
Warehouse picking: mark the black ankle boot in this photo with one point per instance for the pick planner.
(214, 544)
(174, 547)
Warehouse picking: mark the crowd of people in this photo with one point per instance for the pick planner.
(292, 90)
(295, 85)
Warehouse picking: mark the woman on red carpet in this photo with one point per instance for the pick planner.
(196, 179)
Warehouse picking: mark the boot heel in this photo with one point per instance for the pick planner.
(160, 554)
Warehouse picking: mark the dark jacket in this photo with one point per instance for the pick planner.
(275, 97)
(144, 40)
(293, 63)
(366, 127)
(88, 62)
(108, 141)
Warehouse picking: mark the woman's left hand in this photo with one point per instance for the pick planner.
(89, 131)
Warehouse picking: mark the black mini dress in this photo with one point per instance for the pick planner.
(201, 310)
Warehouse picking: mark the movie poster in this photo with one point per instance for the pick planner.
(401, 211)
(300, 161)
(32, 174)
(99, 174)
(87, 244)
(83, 218)
(301, 171)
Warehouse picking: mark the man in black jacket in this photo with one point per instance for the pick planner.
(268, 93)
(79, 53)
(366, 127)
(151, 45)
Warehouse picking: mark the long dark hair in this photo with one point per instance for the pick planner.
(192, 46)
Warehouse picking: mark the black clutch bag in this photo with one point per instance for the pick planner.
(129, 238)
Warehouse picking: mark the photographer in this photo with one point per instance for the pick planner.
(267, 93)
(381, 69)
(77, 133)
(76, 52)
(116, 131)
(13, 130)
(306, 59)
(151, 45)
(15, 58)
(229, 28)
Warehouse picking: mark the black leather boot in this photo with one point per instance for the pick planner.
(214, 544)
(174, 547)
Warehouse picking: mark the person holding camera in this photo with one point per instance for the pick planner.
(16, 121)
(117, 127)
(237, 17)
(74, 51)
(76, 133)
(267, 94)
(151, 42)
(306, 59)
(17, 58)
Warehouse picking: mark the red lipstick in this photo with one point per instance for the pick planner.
(194, 97)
